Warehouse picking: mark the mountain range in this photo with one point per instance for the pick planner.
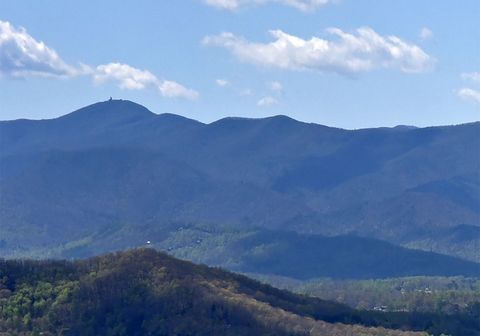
(114, 175)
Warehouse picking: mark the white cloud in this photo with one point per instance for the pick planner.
(425, 34)
(275, 86)
(305, 5)
(130, 78)
(222, 82)
(232, 5)
(174, 89)
(127, 77)
(246, 92)
(473, 76)
(224, 4)
(22, 56)
(469, 94)
(347, 54)
(267, 101)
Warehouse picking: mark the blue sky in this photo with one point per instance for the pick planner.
(208, 59)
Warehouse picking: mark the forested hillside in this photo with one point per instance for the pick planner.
(144, 292)
(446, 295)
(115, 169)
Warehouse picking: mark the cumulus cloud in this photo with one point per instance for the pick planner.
(345, 53)
(275, 86)
(224, 4)
(22, 56)
(469, 94)
(473, 76)
(425, 34)
(126, 76)
(267, 101)
(130, 78)
(232, 5)
(246, 92)
(174, 89)
(222, 82)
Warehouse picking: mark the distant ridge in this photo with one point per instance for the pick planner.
(120, 106)
(115, 174)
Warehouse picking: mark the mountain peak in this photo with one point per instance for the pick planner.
(110, 110)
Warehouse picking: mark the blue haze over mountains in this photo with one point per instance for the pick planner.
(269, 195)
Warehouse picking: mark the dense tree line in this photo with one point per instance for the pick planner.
(445, 295)
(144, 292)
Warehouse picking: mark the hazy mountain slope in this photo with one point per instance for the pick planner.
(144, 292)
(116, 163)
(307, 257)
(278, 253)
(303, 257)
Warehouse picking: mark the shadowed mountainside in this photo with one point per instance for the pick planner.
(115, 169)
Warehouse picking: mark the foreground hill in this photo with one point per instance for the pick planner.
(115, 168)
(143, 292)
